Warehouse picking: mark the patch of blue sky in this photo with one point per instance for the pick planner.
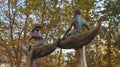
(21, 3)
(4, 11)
(105, 23)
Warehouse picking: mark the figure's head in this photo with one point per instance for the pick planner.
(37, 27)
(77, 11)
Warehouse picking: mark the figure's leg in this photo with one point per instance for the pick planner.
(32, 63)
(25, 50)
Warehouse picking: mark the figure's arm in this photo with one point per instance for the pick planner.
(43, 38)
(87, 26)
(29, 45)
(69, 28)
(30, 40)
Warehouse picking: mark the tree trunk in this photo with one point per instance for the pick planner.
(79, 58)
(84, 56)
(119, 28)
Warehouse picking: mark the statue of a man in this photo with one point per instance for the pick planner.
(77, 22)
(38, 41)
(37, 36)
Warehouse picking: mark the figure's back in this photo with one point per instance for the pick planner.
(79, 23)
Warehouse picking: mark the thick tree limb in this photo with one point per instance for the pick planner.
(78, 41)
(73, 42)
(41, 51)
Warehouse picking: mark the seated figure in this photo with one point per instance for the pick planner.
(37, 36)
(38, 41)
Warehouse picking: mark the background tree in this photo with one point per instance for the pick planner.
(17, 18)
